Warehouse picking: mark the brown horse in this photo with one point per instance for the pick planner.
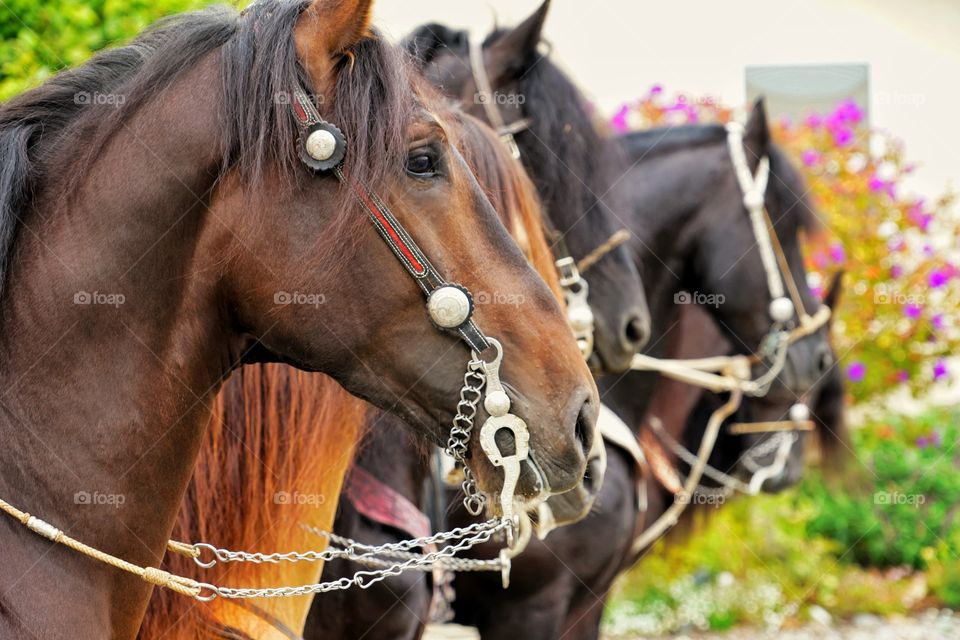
(184, 209)
(286, 483)
(397, 461)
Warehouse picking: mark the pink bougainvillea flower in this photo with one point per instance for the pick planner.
(896, 243)
(619, 119)
(913, 311)
(922, 442)
(937, 321)
(814, 120)
(842, 137)
(940, 370)
(837, 253)
(856, 371)
(849, 111)
(938, 278)
(810, 158)
(903, 375)
(875, 184)
(656, 89)
(896, 271)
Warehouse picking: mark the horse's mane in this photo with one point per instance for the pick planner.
(274, 431)
(512, 194)
(48, 136)
(659, 142)
(580, 166)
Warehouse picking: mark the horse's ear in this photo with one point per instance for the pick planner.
(834, 288)
(510, 55)
(325, 31)
(756, 137)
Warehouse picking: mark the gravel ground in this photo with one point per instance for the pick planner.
(930, 625)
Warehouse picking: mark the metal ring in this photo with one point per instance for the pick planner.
(200, 546)
(214, 592)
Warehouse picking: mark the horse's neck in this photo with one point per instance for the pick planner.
(107, 383)
(391, 456)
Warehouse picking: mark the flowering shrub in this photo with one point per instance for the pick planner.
(897, 321)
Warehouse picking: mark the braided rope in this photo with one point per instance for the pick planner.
(613, 242)
(180, 584)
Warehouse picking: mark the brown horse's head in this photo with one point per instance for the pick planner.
(514, 197)
(575, 169)
(310, 282)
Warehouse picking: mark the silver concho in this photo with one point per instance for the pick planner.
(321, 145)
(449, 306)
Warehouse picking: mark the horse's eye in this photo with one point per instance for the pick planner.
(422, 163)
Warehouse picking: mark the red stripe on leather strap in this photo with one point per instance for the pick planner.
(395, 237)
(382, 503)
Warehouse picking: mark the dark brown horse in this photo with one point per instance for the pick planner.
(150, 248)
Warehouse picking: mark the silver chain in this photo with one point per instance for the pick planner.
(459, 539)
(459, 442)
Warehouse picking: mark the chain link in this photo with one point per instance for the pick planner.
(467, 538)
(458, 444)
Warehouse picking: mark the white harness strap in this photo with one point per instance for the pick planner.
(753, 189)
(616, 432)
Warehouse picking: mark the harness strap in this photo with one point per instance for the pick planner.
(404, 247)
(618, 238)
(486, 97)
(383, 504)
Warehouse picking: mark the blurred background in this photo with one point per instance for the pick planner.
(864, 95)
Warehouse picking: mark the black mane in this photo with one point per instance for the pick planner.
(259, 68)
(580, 166)
(785, 180)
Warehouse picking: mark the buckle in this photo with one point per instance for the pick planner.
(569, 274)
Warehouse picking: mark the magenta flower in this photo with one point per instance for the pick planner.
(619, 119)
(656, 89)
(813, 121)
(938, 278)
(922, 442)
(849, 111)
(856, 371)
(896, 271)
(837, 253)
(810, 158)
(842, 137)
(940, 369)
(875, 184)
(937, 321)
(913, 311)
(903, 375)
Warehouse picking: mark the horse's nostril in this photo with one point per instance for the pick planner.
(584, 430)
(592, 475)
(636, 332)
(826, 361)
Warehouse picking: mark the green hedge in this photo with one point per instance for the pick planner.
(41, 38)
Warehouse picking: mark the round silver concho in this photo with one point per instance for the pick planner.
(321, 145)
(449, 306)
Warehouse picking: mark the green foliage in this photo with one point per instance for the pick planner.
(902, 509)
(884, 540)
(41, 38)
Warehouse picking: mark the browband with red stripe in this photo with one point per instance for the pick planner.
(400, 242)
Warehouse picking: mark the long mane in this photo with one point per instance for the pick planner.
(49, 135)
